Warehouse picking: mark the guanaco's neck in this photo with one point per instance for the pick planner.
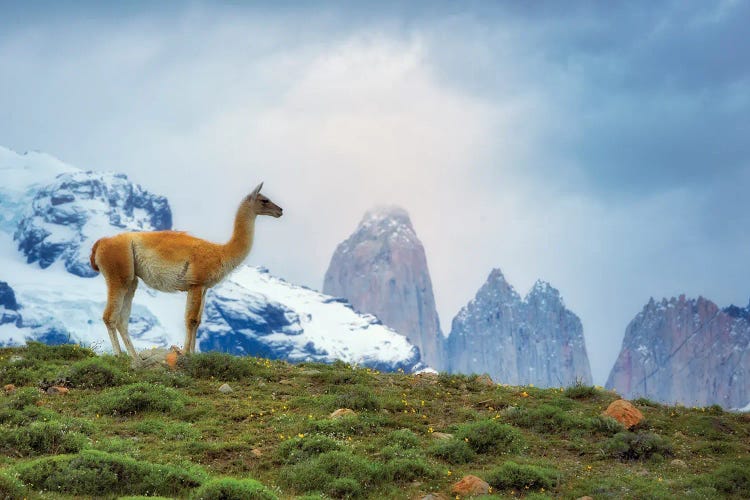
(241, 242)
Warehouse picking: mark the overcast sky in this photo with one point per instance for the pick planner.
(601, 146)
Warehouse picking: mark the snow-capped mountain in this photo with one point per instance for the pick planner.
(55, 212)
(382, 270)
(688, 351)
(535, 340)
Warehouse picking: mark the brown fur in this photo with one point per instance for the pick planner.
(172, 261)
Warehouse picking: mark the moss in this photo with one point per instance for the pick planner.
(356, 397)
(336, 473)
(217, 366)
(40, 438)
(63, 352)
(296, 450)
(406, 469)
(545, 418)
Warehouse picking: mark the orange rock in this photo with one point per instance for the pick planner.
(469, 486)
(171, 359)
(55, 389)
(624, 412)
(342, 412)
(10, 388)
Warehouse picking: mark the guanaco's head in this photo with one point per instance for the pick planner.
(261, 205)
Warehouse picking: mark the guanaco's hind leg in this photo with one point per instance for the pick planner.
(114, 257)
(122, 324)
(193, 312)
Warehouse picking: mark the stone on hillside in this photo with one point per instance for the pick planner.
(342, 412)
(155, 357)
(485, 380)
(255, 452)
(585, 498)
(9, 389)
(624, 412)
(678, 463)
(225, 389)
(441, 435)
(56, 389)
(434, 496)
(470, 486)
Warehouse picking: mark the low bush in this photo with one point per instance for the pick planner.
(453, 451)
(216, 365)
(296, 450)
(404, 438)
(732, 479)
(233, 489)
(96, 373)
(545, 418)
(28, 396)
(39, 438)
(606, 425)
(11, 487)
(96, 473)
(355, 425)
(513, 475)
(632, 446)
(138, 398)
(62, 352)
(490, 436)
(335, 473)
(356, 397)
(580, 391)
(406, 469)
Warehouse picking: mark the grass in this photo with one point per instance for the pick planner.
(172, 434)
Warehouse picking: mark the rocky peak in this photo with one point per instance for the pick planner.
(534, 340)
(8, 305)
(688, 351)
(381, 269)
(68, 215)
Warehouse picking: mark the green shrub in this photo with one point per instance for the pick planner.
(606, 425)
(22, 371)
(29, 414)
(732, 479)
(233, 489)
(11, 487)
(453, 451)
(353, 425)
(93, 472)
(138, 398)
(64, 352)
(173, 431)
(28, 396)
(357, 397)
(403, 470)
(632, 446)
(296, 450)
(513, 475)
(490, 436)
(404, 438)
(580, 391)
(96, 373)
(395, 451)
(216, 365)
(40, 438)
(545, 418)
(335, 473)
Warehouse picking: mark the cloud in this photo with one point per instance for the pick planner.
(600, 147)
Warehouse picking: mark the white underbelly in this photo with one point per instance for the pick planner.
(166, 277)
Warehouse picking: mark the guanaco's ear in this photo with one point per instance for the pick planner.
(256, 191)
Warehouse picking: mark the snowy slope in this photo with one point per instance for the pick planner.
(55, 211)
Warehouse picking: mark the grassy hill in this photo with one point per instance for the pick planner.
(172, 433)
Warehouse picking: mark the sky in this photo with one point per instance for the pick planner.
(603, 147)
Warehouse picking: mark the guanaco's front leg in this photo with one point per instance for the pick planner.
(193, 312)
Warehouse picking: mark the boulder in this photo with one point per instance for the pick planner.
(225, 389)
(56, 389)
(342, 412)
(624, 412)
(470, 486)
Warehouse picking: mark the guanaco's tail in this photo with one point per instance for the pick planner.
(92, 259)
